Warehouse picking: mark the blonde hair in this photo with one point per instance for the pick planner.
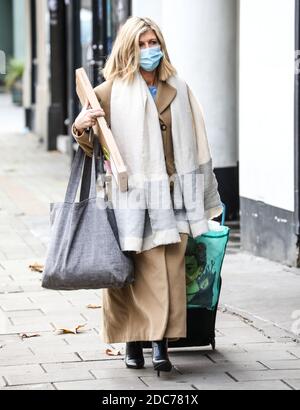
(124, 61)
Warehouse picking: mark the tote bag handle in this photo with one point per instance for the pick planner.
(88, 176)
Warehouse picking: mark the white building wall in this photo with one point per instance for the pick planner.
(146, 8)
(28, 56)
(42, 87)
(19, 29)
(201, 39)
(267, 101)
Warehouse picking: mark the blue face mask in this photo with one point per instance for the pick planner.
(150, 58)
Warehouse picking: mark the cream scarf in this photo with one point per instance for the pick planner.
(147, 215)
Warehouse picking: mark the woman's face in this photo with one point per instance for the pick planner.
(148, 40)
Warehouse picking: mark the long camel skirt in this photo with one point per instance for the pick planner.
(154, 306)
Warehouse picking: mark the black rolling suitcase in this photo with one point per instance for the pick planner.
(204, 259)
(201, 325)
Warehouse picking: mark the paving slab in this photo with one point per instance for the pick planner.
(270, 346)
(17, 370)
(37, 359)
(220, 356)
(282, 365)
(34, 387)
(294, 383)
(246, 376)
(95, 355)
(246, 386)
(213, 368)
(102, 365)
(130, 383)
(37, 378)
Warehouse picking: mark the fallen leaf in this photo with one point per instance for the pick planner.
(26, 336)
(36, 267)
(70, 331)
(94, 306)
(113, 352)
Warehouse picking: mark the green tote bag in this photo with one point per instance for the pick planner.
(204, 259)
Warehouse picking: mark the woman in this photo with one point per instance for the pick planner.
(160, 131)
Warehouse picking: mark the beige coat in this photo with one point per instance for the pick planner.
(153, 307)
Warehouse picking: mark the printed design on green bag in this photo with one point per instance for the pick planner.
(200, 275)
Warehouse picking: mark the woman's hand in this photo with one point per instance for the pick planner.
(87, 118)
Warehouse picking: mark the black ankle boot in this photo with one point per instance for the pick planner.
(160, 357)
(134, 358)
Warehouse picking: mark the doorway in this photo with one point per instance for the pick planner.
(92, 28)
(100, 21)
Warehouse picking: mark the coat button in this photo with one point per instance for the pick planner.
(163, 127)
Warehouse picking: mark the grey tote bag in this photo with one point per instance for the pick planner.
(84, 250)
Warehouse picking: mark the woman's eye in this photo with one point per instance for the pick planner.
(152, 43)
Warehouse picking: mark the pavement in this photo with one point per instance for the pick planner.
(258, 325)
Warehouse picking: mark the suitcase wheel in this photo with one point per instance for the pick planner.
(213, 345)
